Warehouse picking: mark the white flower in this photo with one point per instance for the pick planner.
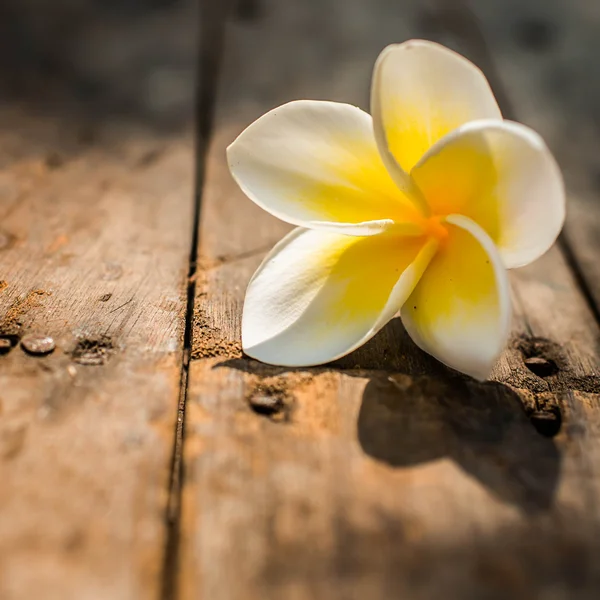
(419, 209)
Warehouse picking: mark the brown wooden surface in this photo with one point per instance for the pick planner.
(384, 475)
(96, 207)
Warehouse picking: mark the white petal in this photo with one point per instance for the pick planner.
(459, 312)
(501, 175)
(319, 295)
(420, 92)
(316, 164)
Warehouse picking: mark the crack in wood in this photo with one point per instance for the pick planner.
(212, 20)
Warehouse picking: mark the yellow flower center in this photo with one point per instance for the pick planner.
(434, 228)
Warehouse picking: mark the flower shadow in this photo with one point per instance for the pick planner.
(406, 421)
(414, 411)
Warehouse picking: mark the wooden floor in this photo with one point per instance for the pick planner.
(145, 457)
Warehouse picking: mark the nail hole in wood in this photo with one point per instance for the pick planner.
(541, 356)
(271, 397)
(546, 422)
(264, 404)
(540, 366)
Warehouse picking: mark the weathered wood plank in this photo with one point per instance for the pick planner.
(96, 215)
(384, 475)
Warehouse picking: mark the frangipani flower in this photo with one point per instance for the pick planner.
(419, 209)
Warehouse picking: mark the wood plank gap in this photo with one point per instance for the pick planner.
(210, 49)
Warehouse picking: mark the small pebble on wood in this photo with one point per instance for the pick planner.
(38, 344)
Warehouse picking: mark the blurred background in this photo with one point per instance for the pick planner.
(129, 58)
(71, 68)
(138, 59)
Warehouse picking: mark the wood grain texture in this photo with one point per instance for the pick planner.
(96, 217)
(384, 475)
